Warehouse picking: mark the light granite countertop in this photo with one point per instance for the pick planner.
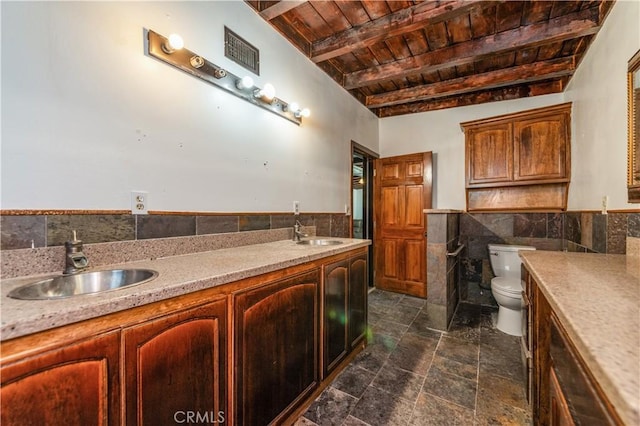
(597, 299)
(178, 275)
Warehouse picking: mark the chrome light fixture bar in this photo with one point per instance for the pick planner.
(170, 51)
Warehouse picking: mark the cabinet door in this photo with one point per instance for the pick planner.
(336, 320)
(541, 147)
(358, 292)
(489, 154)
(559, 410)
(276, 348)
(175, 365)
(77, 384)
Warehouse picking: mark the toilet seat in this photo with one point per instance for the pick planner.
(508, 286)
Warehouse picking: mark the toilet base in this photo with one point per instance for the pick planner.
(509, 321)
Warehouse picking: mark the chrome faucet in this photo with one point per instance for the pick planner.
(296, 232)
(75, 259)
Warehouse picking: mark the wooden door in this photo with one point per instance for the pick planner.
(541, 147)
(560, 415)
(175, 365)
(77, 384)
(335, 327)
(489, 154)
(276, 344)
(403, 191)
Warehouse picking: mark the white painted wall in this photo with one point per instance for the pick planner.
(87, 117)
(599, 147)
(439, 132)
(598, 91)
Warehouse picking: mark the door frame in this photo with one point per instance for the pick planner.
(368, 203)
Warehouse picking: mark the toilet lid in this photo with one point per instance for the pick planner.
(507, 285)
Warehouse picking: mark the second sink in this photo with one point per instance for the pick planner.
(83, 283)
(319, 242)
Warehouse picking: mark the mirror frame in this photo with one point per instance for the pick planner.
(633, 130)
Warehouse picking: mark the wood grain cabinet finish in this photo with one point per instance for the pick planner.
(276, 348)
(175, 365)
(519, 161)
(564, 392)
(489, 151)
(75, 384)
(344, 292)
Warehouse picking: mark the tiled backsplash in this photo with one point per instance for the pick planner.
(571, 231)
(26, 231)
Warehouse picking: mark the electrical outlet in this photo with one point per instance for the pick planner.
(296, 207)
(605, 202)
(139, 202)
(347, 210)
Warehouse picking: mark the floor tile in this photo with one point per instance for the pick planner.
(450, 387)
(433, 411)
(458, 350)
(331, 408)
(496, 388)
(389, 328)
(353, 380)
(491, 412)
(414, 353)
(462, 369)
(399, 382)
(410, 374)
(378, 407)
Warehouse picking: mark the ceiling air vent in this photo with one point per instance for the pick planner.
(240, 51)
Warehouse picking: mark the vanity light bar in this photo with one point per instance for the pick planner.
(161, 48)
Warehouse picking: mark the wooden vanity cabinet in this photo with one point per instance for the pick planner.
(276, 346)
(519, 161)
(564, 390)
(344, 292)
(73, 384)
(176, 364)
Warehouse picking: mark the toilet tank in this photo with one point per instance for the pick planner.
(505, 261)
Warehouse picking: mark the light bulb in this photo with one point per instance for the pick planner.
(305, 112)
(268, 92)
(176, 42)
(294, 107)
(244, 83)
(173, 43)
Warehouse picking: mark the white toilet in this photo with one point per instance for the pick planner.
(507, 286)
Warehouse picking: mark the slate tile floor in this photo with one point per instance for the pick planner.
(410, 374)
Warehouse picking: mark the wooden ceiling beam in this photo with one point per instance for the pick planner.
(392, 25)
(280, 8)
(502, 94)
(527, 73)
(566, 27)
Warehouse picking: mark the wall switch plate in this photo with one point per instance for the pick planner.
(347, 210)
(139, 202)
(296, 207)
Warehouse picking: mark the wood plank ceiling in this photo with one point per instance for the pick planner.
(402, 57)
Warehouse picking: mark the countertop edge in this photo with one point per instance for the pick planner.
(618, 400)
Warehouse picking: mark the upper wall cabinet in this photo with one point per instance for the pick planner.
(519, 161)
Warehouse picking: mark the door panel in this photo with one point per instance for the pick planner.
(403, 191)
(391, 199)
(391, 251)
(415, 264)
(414, 202)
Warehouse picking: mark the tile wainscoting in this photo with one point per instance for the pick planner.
(615, 233)
(20, 231)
